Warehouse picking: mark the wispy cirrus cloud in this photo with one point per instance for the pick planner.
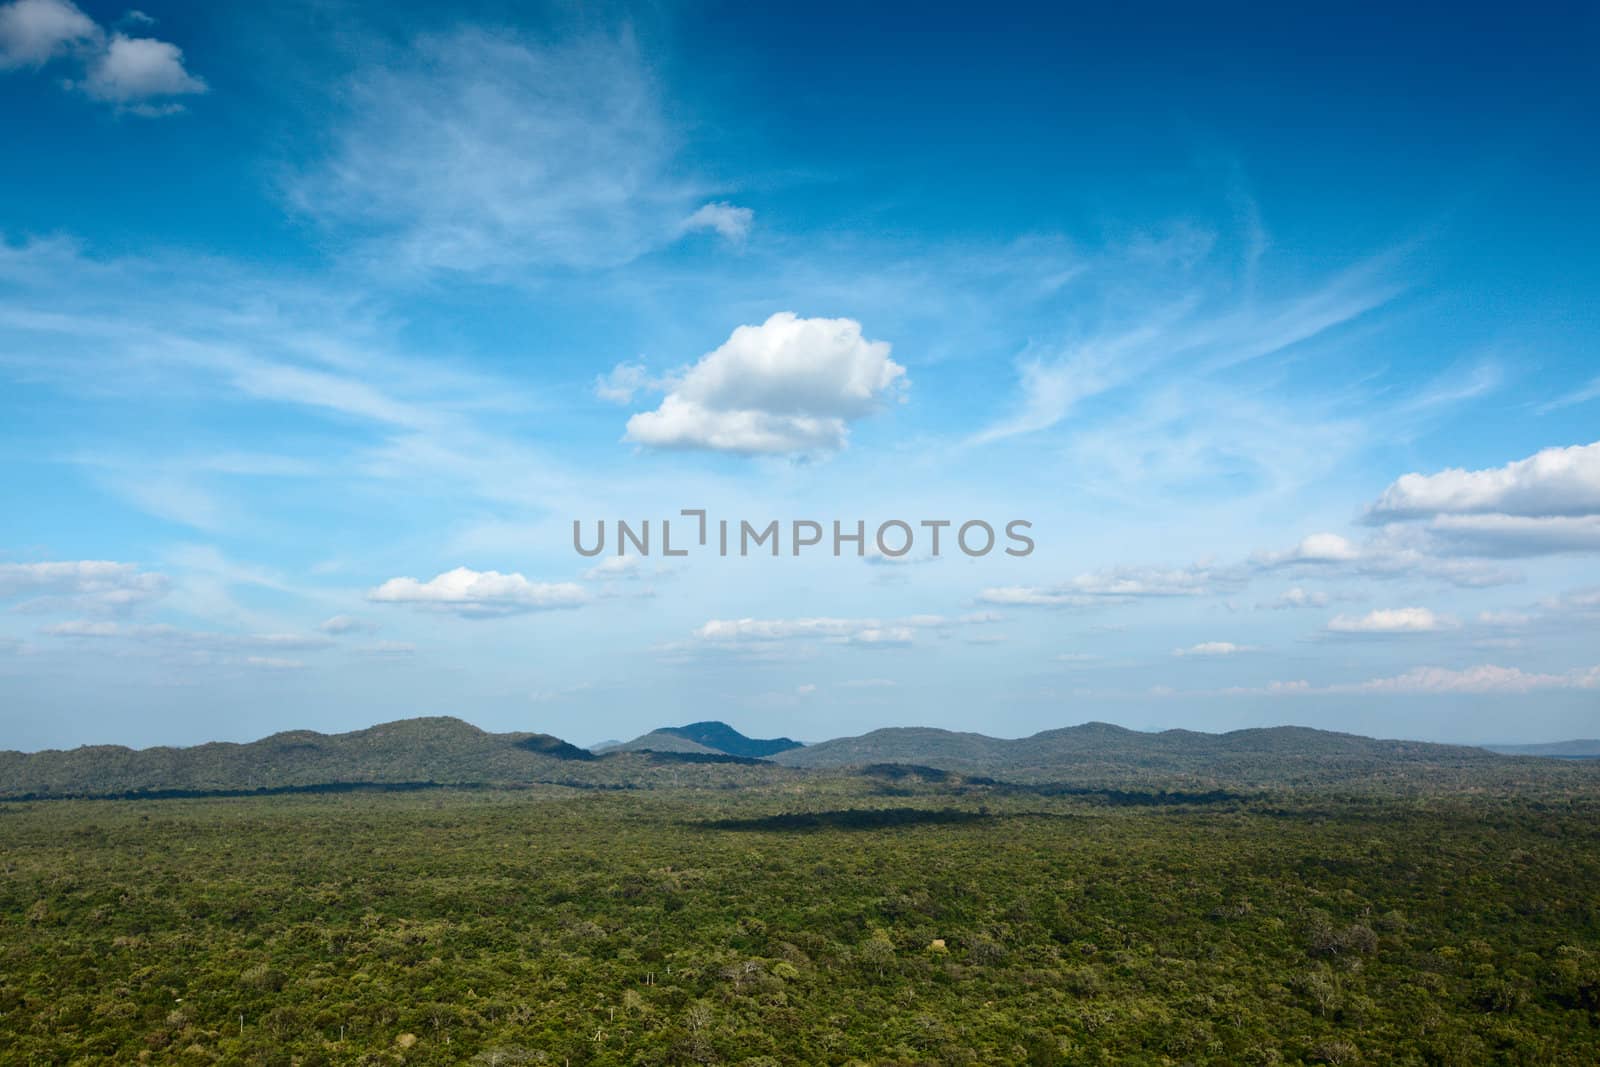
(1200, 333)
(1118, 585)
(491, 153)
(1485, 679)
(200, 646)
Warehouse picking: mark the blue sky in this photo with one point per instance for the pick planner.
(320, 324)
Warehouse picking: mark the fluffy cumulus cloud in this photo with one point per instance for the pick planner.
(80, 585)
(1544, 505)
(1556, 481)
(1315, 548)
(33, 32)
(138, 75)
(1391, 621)
(478, 594)
(732, 222)
(789, 385)
(142, 75)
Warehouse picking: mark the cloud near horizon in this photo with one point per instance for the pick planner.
(1391, 621)
(480, 594)
(1486, 679)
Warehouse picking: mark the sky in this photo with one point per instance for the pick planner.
(322, 324)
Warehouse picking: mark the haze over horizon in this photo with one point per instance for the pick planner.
(320, 327)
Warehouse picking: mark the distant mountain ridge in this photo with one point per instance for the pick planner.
(1582, 748)
(1098, 749)
(448, 751)
(704, 738)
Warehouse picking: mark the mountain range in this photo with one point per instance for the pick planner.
(444, 750)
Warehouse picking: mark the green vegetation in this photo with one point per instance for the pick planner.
(447, 751)
(905, 915)
(708, 737)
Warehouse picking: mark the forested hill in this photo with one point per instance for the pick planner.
(449, 751)
(705, 737)
(1281, 755)
(439, 749)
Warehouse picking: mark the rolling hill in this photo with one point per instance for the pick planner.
(1097, 751)
(441, 750)
(704, 738)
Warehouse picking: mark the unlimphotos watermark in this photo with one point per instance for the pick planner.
(892, 538)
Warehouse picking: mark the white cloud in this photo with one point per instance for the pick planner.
(1391, 621)
(479, 151)
(140, 75)
(1481, 679)
(1315, 548)
(1198, 332)
(81, 585)
(869, 683)
(134, 72)
(1213, 648)
(1514, 536)
(347, 624)
(1394, 552)
(618, 385)
(33, 32)
(788, 385)
(730, 221)
(477, 594)
(1581, 395)
(778, 629)
(176, 638)
(613, 568)
(1504, 618)
(388, 648)
(274, 663)
(1297, 597)
(1117, 585)
(805, 690)
(883, 635)
(1553, 482)
(830, 630)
